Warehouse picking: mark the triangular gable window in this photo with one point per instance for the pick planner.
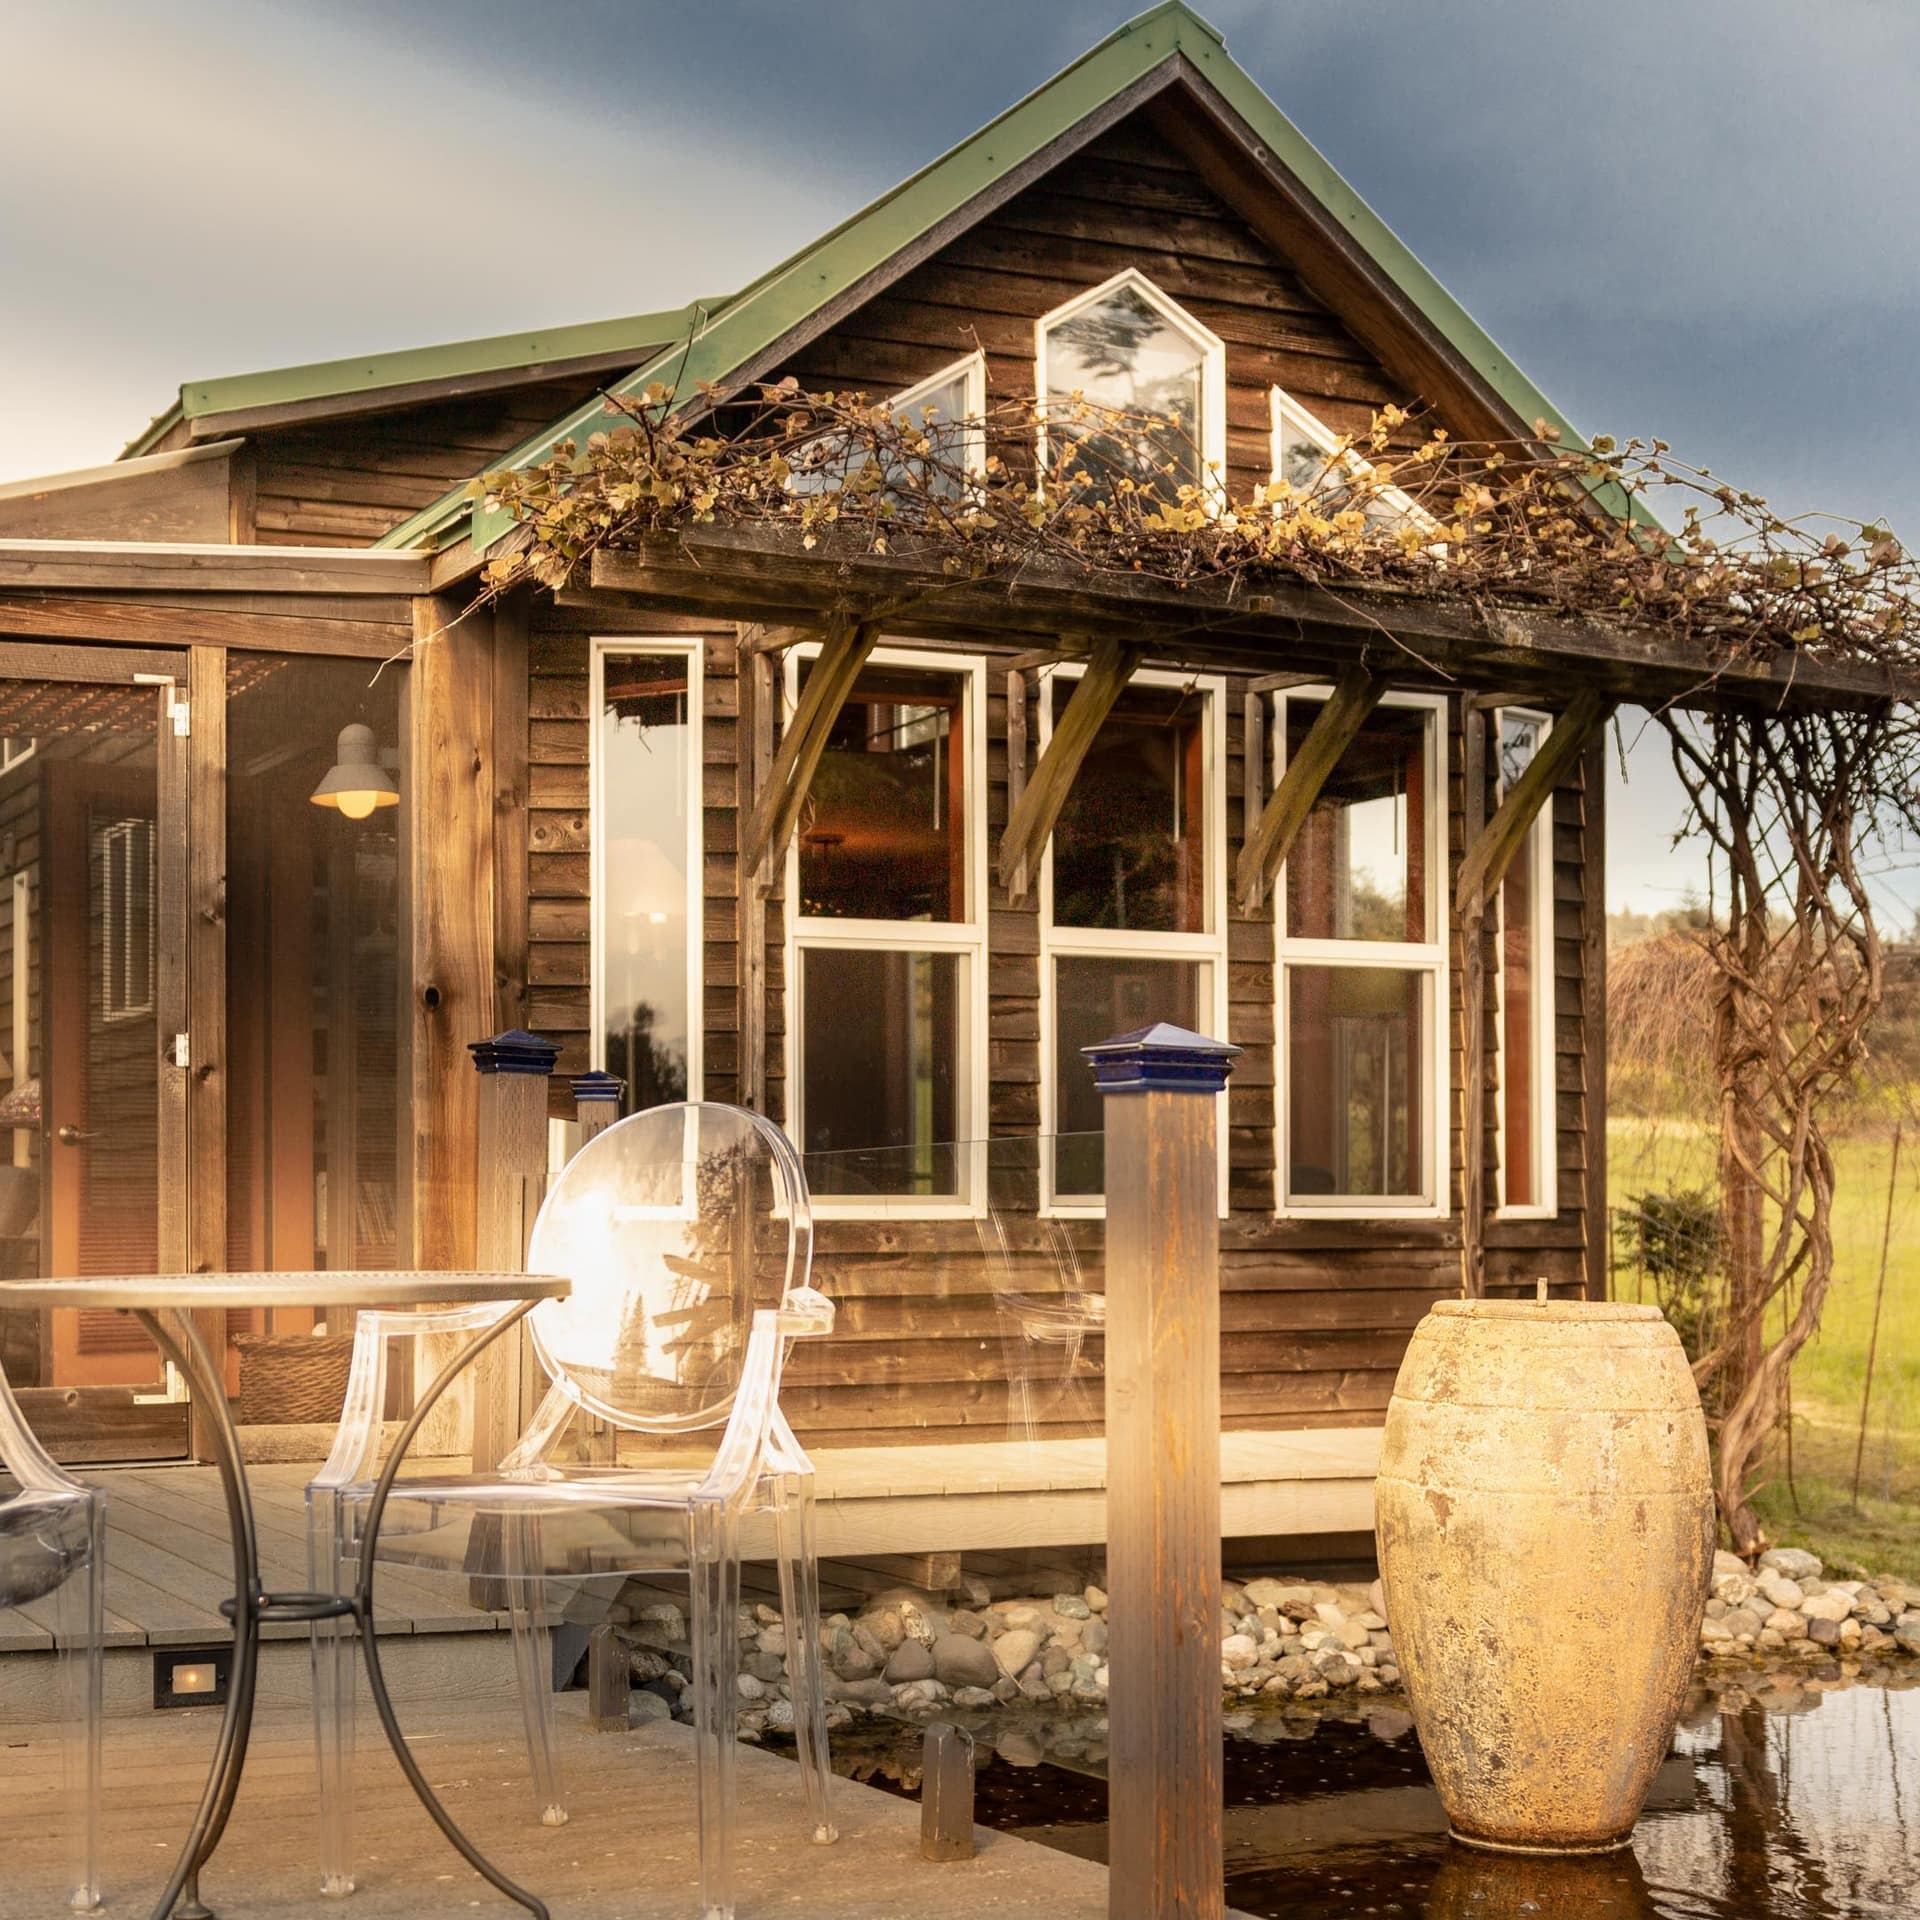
(1124, 349)
(949, 405)
(1308, 455)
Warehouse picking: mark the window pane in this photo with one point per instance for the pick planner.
(829, 462)
(1521, 955)
(880, 1061)
(1356, 1069)
(313, 980)
(1301, 459)
(1096, 998)
(1129, 851)
(1357, 871)
(1123, 355)
(645, 747)
(883, 836)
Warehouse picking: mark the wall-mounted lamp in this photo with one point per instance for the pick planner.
(357, 782)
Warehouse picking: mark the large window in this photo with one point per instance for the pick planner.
(1524, 1046)
(646, 868)
(1362, 989)
(1133, 386)
(1133, 917)
(887, 1026)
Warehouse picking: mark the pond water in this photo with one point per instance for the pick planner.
(1779, 1802)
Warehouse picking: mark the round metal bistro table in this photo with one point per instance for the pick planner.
(164, 1304)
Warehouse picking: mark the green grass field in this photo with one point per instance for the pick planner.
(1883, 1535)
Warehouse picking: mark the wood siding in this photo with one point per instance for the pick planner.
(343, 483)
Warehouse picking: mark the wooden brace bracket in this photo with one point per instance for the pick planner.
(843, 653)
(1493, 849)
(1033, 815)
(1355, 695)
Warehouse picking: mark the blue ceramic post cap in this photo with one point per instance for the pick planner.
(516, 1051)
(1161, 1058)
(596, 1086)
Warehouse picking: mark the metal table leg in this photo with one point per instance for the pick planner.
(189, 1353)
(363, 1608)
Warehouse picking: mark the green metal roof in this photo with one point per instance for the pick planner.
(712, 347)
(638, 334)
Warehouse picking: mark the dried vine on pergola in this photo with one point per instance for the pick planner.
(1788, 793)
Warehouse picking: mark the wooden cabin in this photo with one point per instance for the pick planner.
(234, 1025)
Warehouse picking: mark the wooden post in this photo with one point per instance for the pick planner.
(609, 1682)
(596, 1102)
(1163, 1471)
(514, 1068)
(946, 1793)
(1473, 1020)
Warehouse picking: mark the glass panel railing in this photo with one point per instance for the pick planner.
(966, 1301)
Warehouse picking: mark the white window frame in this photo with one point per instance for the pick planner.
(966, 937)
(1427, 957)
(1281, 406)
(1213, 371)
(1208, 948)
(16, 749)
(117, 841)
(692, 650)
(1538, 853)
(972, 367)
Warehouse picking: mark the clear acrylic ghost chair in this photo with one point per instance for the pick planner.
(53, 1543)
(687, 1234)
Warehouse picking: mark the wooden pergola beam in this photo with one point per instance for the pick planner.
(843, 652)
(1493, 849)
(1111, 666)
(1355, 695)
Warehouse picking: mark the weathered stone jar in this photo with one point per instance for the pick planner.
(1546, 1531)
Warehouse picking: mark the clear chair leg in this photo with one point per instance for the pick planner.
(80, 1621)
(533, 1664)
(716, 1662)
(800, 1602)
(335, 1684)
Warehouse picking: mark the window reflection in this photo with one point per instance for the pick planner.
(1122, 354)
(1095, 998)
(884, 832)
(1355, 1079)
(880, 1062)
(1129, 850)
(1357, 870)
(645, 746)
(1524, 951)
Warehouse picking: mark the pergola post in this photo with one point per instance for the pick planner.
(514, 1069)
(1163, 1471)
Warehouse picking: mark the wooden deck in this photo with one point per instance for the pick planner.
(628, 1852)
(170, 1564)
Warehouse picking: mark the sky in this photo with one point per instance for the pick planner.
(1686, 220)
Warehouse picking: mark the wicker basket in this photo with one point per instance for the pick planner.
(290, 1379)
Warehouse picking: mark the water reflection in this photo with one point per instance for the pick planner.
(1783, 1800)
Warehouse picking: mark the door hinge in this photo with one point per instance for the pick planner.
(178, 711)
(182, 1050)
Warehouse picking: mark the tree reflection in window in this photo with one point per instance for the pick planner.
(1123, 354)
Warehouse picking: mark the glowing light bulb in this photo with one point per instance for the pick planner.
(357, 806)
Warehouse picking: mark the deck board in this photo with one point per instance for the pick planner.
(627, 1851)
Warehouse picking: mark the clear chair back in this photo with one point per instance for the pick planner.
(675, 1226)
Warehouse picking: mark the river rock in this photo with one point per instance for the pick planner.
(1794, 1562)
(909, 1661)
(965, 1621)
(1907, 1632)
(1778, 1589)
(1787, 1624)
(1096, 1599)
(1239, 1651)
(1823, 1632)
(1740, 1621)
(884, 1626)
(1015, 1650)
(1070, 1606)
(962, 1662)
(1834, 1605)
(645, 1707)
